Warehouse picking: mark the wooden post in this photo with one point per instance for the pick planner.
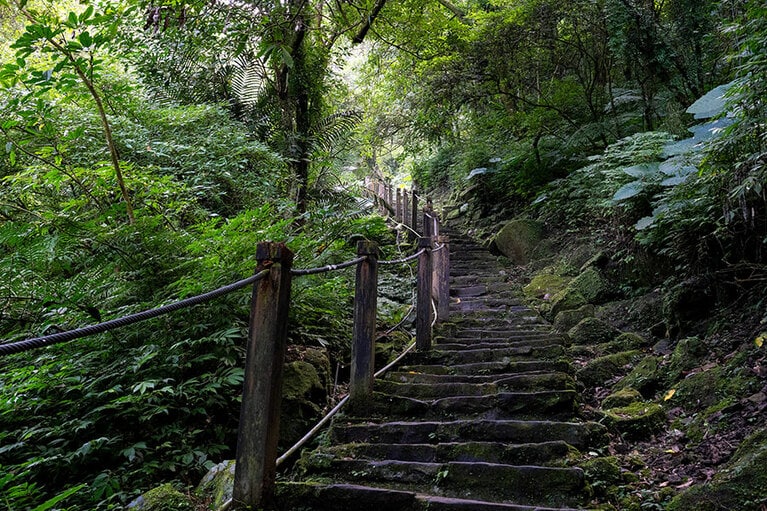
(415, 211)
(398, 208)
(442, 277)
(363, 340)
(428, 223)
(390, 195)
(406, 208)
(262, 390)
(423, 305)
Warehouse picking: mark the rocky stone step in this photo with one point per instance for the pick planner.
(550, 453)
(470, 356)
(414, 377)
(495, 367)
(516, 341)
(556, 404)
(525, 484)
(435, 386)
(581, 435)
(352, 497)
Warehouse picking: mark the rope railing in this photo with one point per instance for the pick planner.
(267, 337)
(78, 333)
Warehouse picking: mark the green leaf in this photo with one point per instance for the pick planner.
(642, 170)
(48, 504)
(286, 57)
(85, 39)
(644, 223)
(86, 14)
(712, 103)
(629, 190)
(72, 20)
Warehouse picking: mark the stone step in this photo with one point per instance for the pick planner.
(495, 367)
(516, 341)
(353, 497)
(469, 356)
(434, 386)
(553, 404)
(495, 482)
(581, 435)
(551, 453)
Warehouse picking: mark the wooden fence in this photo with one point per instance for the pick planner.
(256, 456)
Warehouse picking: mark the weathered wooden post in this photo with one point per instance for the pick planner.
(442, 276)
(423, 304)
(406, 208)
(259, 428)
(428, 223)
(390, 195)
(363, 347)
(414, 213)
(398, 207)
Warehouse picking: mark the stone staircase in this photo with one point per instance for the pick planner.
(487, 421)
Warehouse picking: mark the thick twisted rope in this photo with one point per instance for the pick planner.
(78, 333)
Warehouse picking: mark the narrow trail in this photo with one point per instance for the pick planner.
(486, 421)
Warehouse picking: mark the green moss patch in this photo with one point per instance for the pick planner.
(621, 398)
(545, 284)
(600, 370)
(591, 331)
(637, 421)
(647, 377)
(518, 240)
(567, 319)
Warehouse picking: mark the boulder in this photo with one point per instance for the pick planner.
(591, 331)
(162, 498)
(545, 285)
(565, 300)
(600, 370)
(518, 240)
(218, 484)
(567, 319)
(637, 421)
(621, 398)
(590, 285)
(647, 377)
(688, 353)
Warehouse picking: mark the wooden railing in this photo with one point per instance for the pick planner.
(255, 469)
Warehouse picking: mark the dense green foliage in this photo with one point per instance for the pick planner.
(148, 146)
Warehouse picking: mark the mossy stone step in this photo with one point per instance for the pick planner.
(581, 435)
(518, 379)
(420, 388)
(521, 484)
(495, 367)
(470, 343)
(503, 405)
(354, 497)
(469, 356)
(550, 453)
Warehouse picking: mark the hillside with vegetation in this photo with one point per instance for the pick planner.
(611, 153)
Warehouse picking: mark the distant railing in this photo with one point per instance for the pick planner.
(256, 458)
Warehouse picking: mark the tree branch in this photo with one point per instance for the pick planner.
(357, 39)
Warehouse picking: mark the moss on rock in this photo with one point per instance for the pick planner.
(518, 240)
(592, 331)
(218, 484)
(565, 300)
(742, 485)
(623, 397)
(647, 377)
(545, 284)
(163, 498)
(637, 421)
(625, 341)
(567, 319)
(688, 353)
(603, 475)
(598, 371)
(590, 285)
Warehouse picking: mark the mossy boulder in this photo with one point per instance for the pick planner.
(545, 284)
(647, 377)
(625, 341)
(567, 299)
(742, 485)
(688, 354)
(567, 319)
(623, 397)
(518, 240)
(598, 371)
(218, 484)
(302, 392)
(162, 498)
(687, 304)
(591, 331)
(636, 421)
(602, 475)
(590, 285)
